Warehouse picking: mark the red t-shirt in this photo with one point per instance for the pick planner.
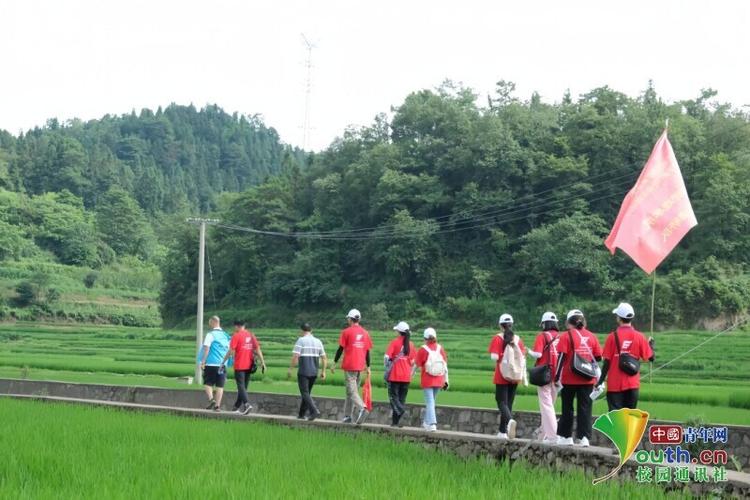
(586, 339)
(549, 355)
(428, 380)
(632, 342)
(356, 342)
(244, 344)
(497, 346)
(401, 371)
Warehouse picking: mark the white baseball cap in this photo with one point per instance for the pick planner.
(505, 318)
(402, 326)
(574, 312)
(430, 333)
(354, 314)
(549, 316)
(624, 310)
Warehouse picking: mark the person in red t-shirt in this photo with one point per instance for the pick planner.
(399, 367)
(505, 390)
(431, 384)
(577, 339)
(622, 389)
(545, 353)
(355, 345)
(244, 346)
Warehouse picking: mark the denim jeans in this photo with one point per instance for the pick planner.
(430, 395)
(397, 392)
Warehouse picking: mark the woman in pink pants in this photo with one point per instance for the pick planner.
(545, 353)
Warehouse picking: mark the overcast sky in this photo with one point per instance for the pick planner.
(81, 58)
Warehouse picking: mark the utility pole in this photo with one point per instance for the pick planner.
(201, 271)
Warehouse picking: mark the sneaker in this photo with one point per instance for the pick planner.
(313, 416)
(217, 409)
(211, 405)
(561, 441)
(432, 428)
(584, 442)
(502, 435)
(549, 440)
(363, 413)
(347, 420)
(511, 429)
(247, 408)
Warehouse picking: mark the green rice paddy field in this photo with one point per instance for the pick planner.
(61, 451)
(710, 383)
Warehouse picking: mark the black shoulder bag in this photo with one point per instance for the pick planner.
(542, 374)
(581, 367)
(630, 365)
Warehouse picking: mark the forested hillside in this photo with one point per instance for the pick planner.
(470, 208)
(87, 208)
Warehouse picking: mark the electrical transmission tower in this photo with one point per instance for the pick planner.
(308, 89)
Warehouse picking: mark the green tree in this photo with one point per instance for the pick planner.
(122, 224)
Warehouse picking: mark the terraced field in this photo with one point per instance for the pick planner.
(710, 383)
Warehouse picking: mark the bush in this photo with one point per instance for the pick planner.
(89, 280)
(27, 294)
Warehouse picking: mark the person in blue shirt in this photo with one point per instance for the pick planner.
(215, 347)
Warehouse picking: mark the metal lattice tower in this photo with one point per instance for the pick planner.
(308, 90)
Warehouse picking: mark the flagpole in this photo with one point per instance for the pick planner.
(653, 297)
(653, 293)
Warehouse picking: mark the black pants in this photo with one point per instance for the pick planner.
(242, 377)
(504, 396)
(581, 393)
(623, 399)
(397, 396)
(305, 388)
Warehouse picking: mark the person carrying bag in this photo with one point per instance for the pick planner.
(542, 374)
(624, 349)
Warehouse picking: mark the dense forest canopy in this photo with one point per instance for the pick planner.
(166, 160)
(478, 207)
(460, 208)
(104, 195)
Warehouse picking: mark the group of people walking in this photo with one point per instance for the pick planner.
(566, 363)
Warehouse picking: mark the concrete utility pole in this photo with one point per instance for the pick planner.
(201, 271)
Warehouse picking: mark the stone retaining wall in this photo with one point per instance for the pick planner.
(479, 421)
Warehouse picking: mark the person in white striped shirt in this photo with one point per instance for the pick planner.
(306, 355)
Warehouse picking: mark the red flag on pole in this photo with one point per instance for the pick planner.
(656, 213)
(367, 393)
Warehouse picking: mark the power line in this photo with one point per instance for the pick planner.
(489, 213)
(405, 233)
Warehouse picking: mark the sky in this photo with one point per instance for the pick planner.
(87, 58)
